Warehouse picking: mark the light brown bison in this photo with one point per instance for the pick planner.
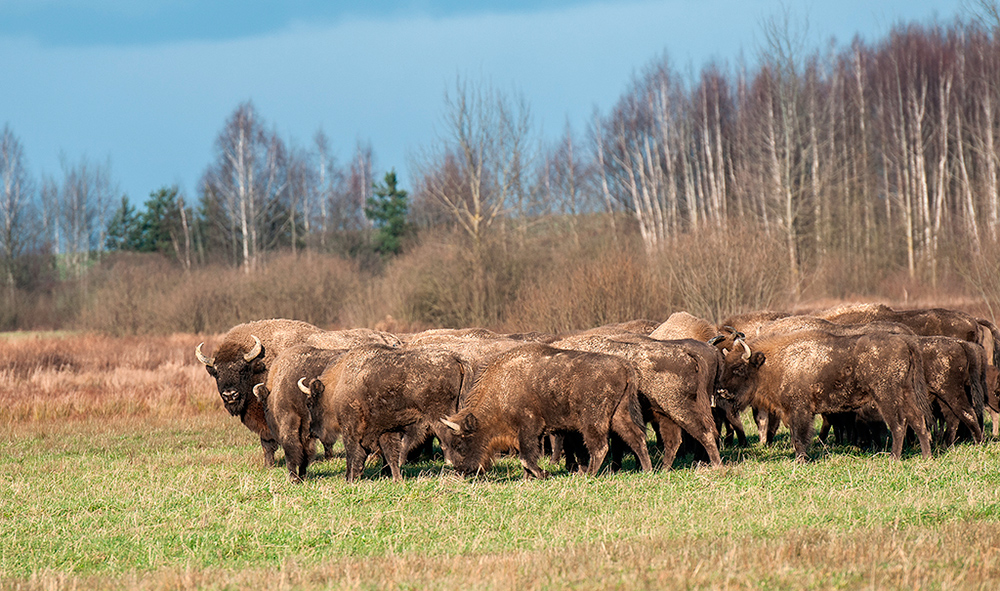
(800, 374)
(287, 405)
(953, 368)
(677, 381)
(374, 393)
(682, 325)
(245, 354)
(534, 389)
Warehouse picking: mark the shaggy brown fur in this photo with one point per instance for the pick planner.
(374, 393)
(536, 389)
(677, 380)
(800, 374)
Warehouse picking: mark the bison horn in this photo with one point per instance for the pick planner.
(255, 352)
(258, 391)
(305, 389)
(208, 362)
(451, 425)
(746, 349)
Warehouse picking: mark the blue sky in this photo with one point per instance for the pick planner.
(148, 85)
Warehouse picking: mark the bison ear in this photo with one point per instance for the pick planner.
(470, 423)
(212, 371)
(317, 387)
(757, 359)
(258, 366)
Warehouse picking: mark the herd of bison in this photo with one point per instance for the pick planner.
(874, 374)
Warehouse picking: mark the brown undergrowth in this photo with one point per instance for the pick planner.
(88, 376)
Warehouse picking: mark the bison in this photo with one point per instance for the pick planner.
(534, 389)
(925, 322)
(287, 405)
(800, 374)
(374, 393)
(677, 381)
(242, 359)
(681, 325)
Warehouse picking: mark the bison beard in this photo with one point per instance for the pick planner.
(535, 389)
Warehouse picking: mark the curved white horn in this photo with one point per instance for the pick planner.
(746, 349)
(451, 425)
(208, 362)
(257, 389)
(305, 389)
(253, 352)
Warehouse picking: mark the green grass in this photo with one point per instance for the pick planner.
(153, 503)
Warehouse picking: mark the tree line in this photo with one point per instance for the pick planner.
(874, 156)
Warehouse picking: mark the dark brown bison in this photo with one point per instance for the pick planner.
(956, 382)
(677, 381)
(242, 359)
(800, 374)
(534, 389)
(374, 393)
(287, 405)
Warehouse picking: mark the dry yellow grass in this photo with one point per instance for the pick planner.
(86, 376)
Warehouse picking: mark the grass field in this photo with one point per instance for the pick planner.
(169, 492)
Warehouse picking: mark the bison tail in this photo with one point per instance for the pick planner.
(921, 395)
(632, 399)
(989, 341)
(468, 371)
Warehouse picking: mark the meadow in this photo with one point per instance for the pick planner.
(120, 469)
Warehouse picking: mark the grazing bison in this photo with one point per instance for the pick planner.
(287, 405)
(536, 389)
(374, 393)
(800, 374)
(242, 359)
(677, 381)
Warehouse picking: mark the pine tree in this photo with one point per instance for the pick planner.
(388, 209)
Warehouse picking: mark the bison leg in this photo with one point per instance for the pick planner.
(801, 428)
(556, 443)
(269, 446)
(670, 433)
(996, 423)
(632, 435)
(596, 442)
(530, 449)
(391, 446)
(356, 457)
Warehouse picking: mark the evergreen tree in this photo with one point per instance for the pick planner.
(124, 231)
(160, 223)
(387, 209)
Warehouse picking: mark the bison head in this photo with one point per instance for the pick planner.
(236, 371)
(463, 446)
(740, 371)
